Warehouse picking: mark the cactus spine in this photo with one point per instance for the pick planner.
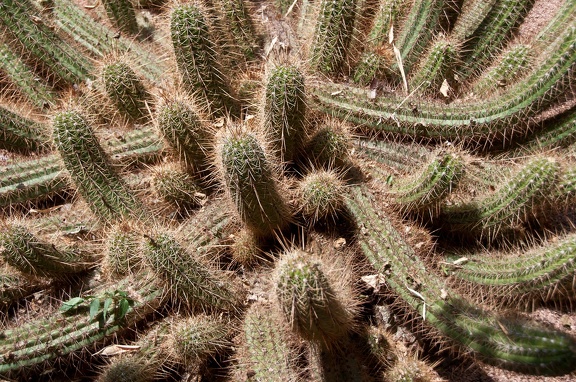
(126, 90)
(121, 14)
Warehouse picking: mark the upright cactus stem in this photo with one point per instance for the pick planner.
(21, 134)
(126, 90)
(249, 179)
(121, 14)
(334, 29)
(285, 111)
(197, 61)
(97, 181)
(186, 134)
(309, 301)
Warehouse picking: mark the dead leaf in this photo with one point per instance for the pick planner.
(375, 281)
(445, 88)
(113, 350)
(443, 294)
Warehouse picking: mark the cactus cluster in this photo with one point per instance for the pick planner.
(286, 191)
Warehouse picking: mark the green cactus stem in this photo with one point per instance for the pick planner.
(101, 40)
(121, 14)
(122, 249)
(285, 111)
(189, 280)
(236, 17)
(177, 188)
(334, 29)
(250, 182)
(491, 35)
(436, 67)
(329, 147)
(37, 40)
(46, 177)
(30, 255)
(560, 132)
(320, 196)
(483, 122)
(197, 61)
(539, 275)
(88, 165)
(472, 15)
(514, 202)
(269, 354)
(197, 338)
(400, 157)
(511, 344)
(126, 90)
(425, 191)
(374, 60)
(513, 64)
(20, 133)
(22, 75)
(309, 301)
(418, 30)
(188, 136)
(32, 347)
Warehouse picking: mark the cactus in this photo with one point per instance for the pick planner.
(425, 191)
(197, 60)
(518, 346)
(271, 149)
(528, 279)
(186, 134)
(20, 133)
(121, 14)
(269, 355)
(285, 111)
(332, 36)
(30, 255)
(248, 177)
(309, 301)
(188, 279)
(41, 43)
(88, 165)
(526, 192)
(126, 90)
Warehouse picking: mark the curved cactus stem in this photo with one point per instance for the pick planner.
(511, 344)
(21, 134)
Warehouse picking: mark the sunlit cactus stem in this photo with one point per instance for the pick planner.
(197, 61)
(126, 90)
(121, 14)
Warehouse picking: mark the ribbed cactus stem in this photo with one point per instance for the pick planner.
(269, 354)
(121, 14)
(31, 255)
(239, 22)
(424, 191)
(197, 60)
(126, 90)
(89, 167)
(334, 29)
(251, 184)
(285, 111)
(542, 274)
(513, 64)
(508, 343)
(21, 134)
(22, 75)
(377, 52)
(41, 43)
(198, 338)
(309, 300)
(177, 188)
(189, 280)
(30, 348)
(329, 147)
(437, 66)
(514, 202)
(320, 196)
(188, 136)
